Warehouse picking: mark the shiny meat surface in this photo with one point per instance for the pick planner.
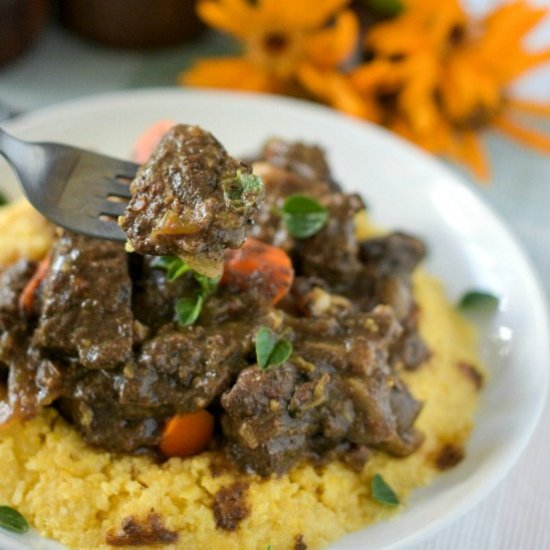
(189, 200)
(337, 391)
(86, 303)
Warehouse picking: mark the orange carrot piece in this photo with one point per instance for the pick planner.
(26, 300)
(259, 264)
(187, 434)
(148, 140)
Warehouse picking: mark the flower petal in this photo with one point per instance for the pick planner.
(337, 90)
(472, 153)
(235, 17)
(301, 14)
(230, 72)
(527, 106)
(330, 47)
(528, 137)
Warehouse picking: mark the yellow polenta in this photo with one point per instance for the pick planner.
(76, 494)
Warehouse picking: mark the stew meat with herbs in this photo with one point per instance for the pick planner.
(191, 199)
(101, 341)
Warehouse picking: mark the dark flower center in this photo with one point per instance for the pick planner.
(275, 43)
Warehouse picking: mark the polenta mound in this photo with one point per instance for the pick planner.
(80, 496)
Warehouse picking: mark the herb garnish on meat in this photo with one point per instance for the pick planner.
(303, 216)
(243, 191)
(188, 308)
(271, 350)
(191, 200)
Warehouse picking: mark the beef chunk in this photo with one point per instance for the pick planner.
(397, 253)
(93, 406)
(183, 370)
(262, 437)
(385, 278)
(189, 201)
(337, 392)
(86, 303)
(332, 253)
(307, 161)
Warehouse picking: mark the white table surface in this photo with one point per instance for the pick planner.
(516, 515)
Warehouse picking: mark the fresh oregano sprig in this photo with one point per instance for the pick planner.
(12, 520)
(242, 191)
(382, 492)
(188, 308)
(271, 349)
(478, 301)
(303, 216)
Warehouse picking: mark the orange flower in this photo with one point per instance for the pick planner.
(437, 78)
(280, 37)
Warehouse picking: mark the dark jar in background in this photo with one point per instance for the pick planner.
(20, 23)
(132, 23)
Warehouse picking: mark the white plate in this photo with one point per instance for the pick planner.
(469, 247)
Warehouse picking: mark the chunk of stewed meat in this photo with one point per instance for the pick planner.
(93, 406)
(306, 160)
(86, 303)
(183, 370)
(335, 394)
(191, 199)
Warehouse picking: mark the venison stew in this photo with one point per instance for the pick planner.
(257, 329)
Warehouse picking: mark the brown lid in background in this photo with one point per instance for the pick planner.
(20, 22)
(132, 23)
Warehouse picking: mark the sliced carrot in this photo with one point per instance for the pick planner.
(26, 300)
(260, 265)
(187, 434)
(148, 140)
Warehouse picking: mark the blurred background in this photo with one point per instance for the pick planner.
(369, 58)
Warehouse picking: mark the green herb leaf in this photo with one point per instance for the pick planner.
(386, 8)
(476, 300)
(12, 520)
(189, 309)
(303, 216)
(270, 349)
(269, 547)
(175, 267)
(3, 199)
(243, 191)
(208, 284)
(382, 492)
